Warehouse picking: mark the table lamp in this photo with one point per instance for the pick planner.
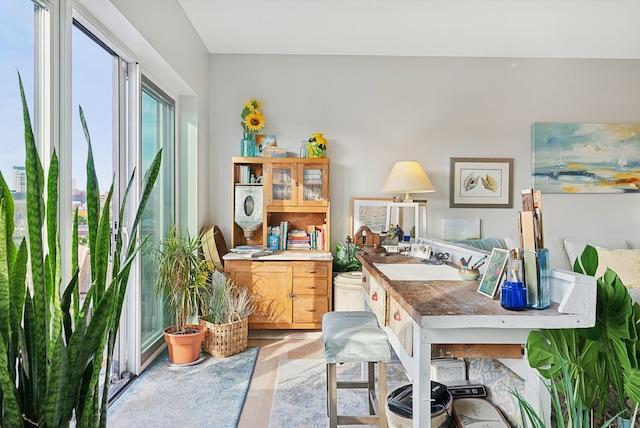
(407, 177)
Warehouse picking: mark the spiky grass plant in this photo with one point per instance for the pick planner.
(228, 299)
(51, 351)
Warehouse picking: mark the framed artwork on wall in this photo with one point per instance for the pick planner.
(586, 157)
(481, 183)
(370, 212)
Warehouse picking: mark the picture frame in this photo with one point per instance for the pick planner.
(421, 248)
(370, 212)
(481, 183)
(263, 141)
(490, 281)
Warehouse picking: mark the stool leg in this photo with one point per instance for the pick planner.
(382, 390)
(332, 395)
(371, 389)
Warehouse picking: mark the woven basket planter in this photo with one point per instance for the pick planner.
(223, 340)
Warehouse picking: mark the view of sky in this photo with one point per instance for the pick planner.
(91, 86)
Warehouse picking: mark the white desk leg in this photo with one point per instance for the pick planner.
(422, 385)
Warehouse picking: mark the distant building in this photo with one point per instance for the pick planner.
(19, 179)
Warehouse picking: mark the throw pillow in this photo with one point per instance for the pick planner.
(626, 263)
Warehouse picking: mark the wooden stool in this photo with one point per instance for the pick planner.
(355, 337)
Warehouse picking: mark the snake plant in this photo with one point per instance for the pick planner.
(52, 350)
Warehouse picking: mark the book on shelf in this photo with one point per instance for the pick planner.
(243, 174)
(298, 240)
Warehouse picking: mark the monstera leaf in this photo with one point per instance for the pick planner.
(600, 357)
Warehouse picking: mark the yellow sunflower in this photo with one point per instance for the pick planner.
(254, 122)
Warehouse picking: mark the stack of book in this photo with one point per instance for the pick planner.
(317, 234)
(275, 152)
(298, 240)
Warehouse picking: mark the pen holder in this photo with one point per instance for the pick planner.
(468, 274)
(536, 277)
(513, 296)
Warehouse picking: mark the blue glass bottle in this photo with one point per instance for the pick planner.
(537, 278)
(513, 295)
(248, 145)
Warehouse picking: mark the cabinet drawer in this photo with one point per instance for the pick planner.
(317, 270)
(309, 309)
(310, 285)
(378, 301)
(401, 325)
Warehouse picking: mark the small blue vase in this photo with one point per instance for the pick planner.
(248, 145)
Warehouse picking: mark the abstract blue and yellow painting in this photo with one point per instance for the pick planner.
(586, 157)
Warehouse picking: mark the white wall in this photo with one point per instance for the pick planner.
(375, 111)
(183, 73)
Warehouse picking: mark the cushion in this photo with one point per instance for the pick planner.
(483, 244)
(558, 258)
(626, 263)
(575, 247)
(353, 337)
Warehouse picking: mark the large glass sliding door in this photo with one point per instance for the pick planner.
(157, 132)
(18, 20)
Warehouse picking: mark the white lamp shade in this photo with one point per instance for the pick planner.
(407, 177)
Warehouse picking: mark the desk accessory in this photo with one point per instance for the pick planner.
(535, 257)
(468, 274)
(513, 296)
(493, 272)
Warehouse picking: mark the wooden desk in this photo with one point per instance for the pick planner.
(453, 312)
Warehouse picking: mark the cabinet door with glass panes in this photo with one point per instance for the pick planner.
(313, 184)
(291, 184)
(281, 182)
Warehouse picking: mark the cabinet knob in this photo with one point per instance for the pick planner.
(374, 296)
(396, 316)
(311, 271)
(291, 295)
(364, 278)
(311, 286)
(311, 310)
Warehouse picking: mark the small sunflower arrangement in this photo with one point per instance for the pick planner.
(252, 117)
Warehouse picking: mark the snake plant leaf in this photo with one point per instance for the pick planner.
(6, 263)
(35, 223)
(93, 193)
(68, 295)
(52, 207)
(74, 262)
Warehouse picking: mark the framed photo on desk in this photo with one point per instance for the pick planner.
(370, 212)
(493, 273)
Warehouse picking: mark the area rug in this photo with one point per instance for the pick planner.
(300, 398)
(210, 394)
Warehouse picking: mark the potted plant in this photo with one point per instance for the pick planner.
(601, 361)
(182, 280)
(226, 318)
(344, 259)
(54, 348)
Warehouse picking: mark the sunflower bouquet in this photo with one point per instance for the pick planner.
(252, 117)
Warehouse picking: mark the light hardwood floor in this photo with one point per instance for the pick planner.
(275, 345)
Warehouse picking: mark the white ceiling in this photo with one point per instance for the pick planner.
(466, 28)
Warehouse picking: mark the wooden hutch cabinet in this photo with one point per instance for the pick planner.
(288, 198)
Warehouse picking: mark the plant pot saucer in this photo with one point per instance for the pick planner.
(168, 362)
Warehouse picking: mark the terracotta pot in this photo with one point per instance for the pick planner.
(184, 348)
